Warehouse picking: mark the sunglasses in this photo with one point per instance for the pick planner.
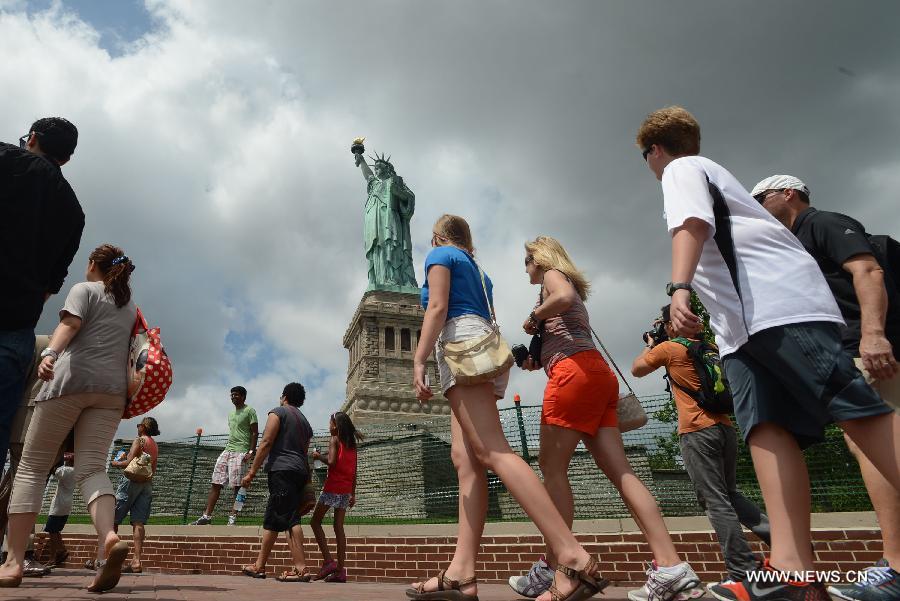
(763, 196)
(529, 260)
(646, 151)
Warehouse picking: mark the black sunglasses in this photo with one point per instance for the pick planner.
(762, 196)
(23, 141)
(646, 151)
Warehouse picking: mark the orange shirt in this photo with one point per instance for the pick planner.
(674, 357)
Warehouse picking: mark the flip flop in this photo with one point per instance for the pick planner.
(252, 573)
(10, 581)
(132, 570)
(111, 570)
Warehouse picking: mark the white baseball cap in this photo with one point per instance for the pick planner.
(779, 182)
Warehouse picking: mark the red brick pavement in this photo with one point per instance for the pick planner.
(70, 584)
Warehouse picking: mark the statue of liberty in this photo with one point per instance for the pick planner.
(386, 237)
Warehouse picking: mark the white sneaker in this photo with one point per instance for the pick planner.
(231, 519)
(536, 581)
(203, 520)
(678, 583)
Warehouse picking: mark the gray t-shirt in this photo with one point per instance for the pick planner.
(292, 443)
(96, 359)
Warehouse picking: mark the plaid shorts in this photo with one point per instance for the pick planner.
(229, 469)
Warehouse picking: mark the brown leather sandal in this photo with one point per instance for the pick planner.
(295, 575)
(589, 580)
(451, 593)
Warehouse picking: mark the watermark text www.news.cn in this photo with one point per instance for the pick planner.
(824, 576)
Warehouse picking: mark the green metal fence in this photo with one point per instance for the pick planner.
(405, 473)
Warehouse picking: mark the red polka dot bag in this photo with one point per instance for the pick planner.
(149, 369)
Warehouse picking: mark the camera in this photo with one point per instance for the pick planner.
(657, 333)
(521, 352)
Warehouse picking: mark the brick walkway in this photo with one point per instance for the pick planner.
(70, 584)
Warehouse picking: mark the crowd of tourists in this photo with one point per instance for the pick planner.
(805, 311)
(803, 304)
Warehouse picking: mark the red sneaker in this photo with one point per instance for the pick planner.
(326, 569)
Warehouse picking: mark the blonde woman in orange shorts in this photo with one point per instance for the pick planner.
(580, 406)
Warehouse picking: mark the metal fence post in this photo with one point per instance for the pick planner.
(187, 500)
(522, 437)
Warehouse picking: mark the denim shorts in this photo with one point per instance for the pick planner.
(134, 498)
(799, 377)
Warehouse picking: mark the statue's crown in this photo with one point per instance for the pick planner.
(382, 159)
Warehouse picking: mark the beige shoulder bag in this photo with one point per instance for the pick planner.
(481, 359)
(140, 469)
(630, 413)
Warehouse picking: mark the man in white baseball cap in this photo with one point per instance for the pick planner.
(856, 268)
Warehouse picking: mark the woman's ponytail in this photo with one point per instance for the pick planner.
(116, 268)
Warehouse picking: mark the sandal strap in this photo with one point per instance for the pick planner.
(555, 595)
(441, 578)
(466, 581)
(570, 572)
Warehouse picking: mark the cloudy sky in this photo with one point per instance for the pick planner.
(214, 144)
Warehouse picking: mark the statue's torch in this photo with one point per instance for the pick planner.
(357, 146)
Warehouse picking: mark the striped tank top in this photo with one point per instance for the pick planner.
(566, 334)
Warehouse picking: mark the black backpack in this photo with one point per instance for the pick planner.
(714, 394)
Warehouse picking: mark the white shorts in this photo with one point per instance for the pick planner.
(463, 328)
(229, 469)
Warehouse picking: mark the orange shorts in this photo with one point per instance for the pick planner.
(582, 394)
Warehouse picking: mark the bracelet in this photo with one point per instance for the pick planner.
(533, 318)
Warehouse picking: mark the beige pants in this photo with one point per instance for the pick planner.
(95, 418)
(888, 390)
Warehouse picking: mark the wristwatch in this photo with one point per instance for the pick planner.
(672, 287)
(49, 352)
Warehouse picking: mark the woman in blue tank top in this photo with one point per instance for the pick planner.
(458, 307)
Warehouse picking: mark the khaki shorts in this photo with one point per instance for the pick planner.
(888, 390)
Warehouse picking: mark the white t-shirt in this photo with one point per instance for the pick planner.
(65, 488)
(753, 273)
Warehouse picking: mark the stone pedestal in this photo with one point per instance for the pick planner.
(381, 341)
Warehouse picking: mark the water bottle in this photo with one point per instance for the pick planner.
(240, 498)
(121, 455)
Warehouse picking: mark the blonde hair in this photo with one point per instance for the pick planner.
(673, 128)
(547, 253)
(455, 230)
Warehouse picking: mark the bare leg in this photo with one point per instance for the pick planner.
(295, 544)
(319, 532)
(609, 454)
(557, 447)
(340, 537)
(885, 499)
(18, 527)
(475, 408)
(268, 541)
(214, 491)
(102, 511)
(138, 530)
(784, 481)
(232, 511)
(878, 438)
(473, 499)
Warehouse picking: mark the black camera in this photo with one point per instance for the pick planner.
(657, 333)
(521, 353)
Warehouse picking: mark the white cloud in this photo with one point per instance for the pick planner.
(215, 150)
